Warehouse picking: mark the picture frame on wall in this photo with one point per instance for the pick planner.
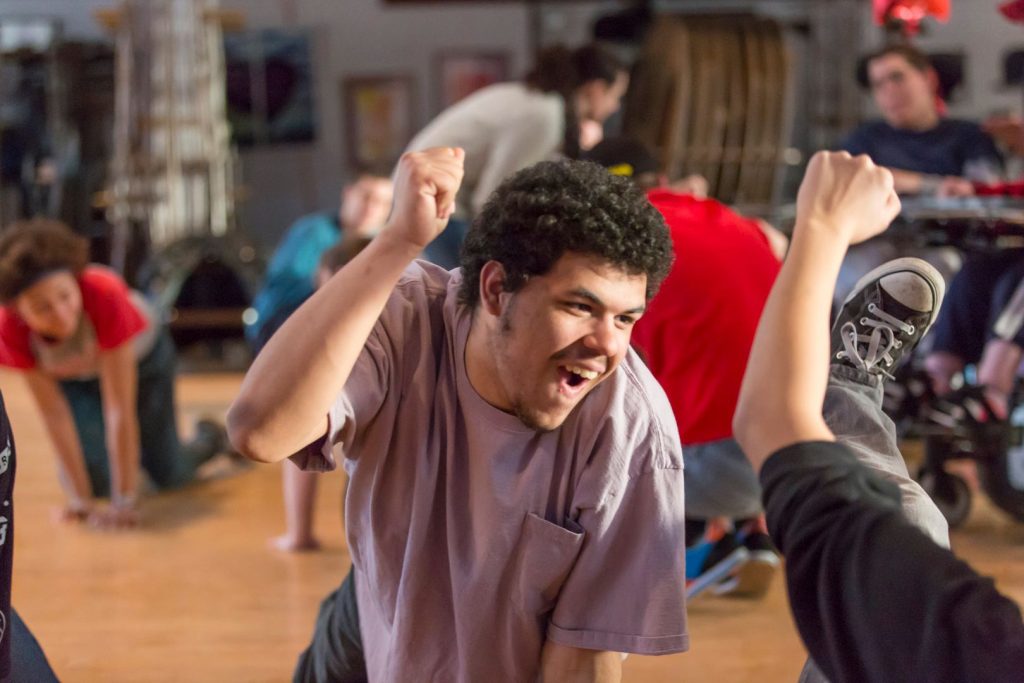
(379, 119)
(269, 86)
(460, 73)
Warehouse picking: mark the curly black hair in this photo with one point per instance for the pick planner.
(30, 249)
(543, 211)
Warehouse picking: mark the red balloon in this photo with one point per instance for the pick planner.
(910, 12)
(1013, 10)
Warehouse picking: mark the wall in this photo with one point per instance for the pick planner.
(350, 37)
(977, 29)
(358, 37)
(353, 37)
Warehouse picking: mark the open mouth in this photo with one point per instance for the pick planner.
(575, 378)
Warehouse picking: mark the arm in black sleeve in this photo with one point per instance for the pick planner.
(874, 599)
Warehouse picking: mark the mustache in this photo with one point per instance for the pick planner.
(573, 355)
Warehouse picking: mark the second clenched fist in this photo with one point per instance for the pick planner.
(849, 196)
(426, 184)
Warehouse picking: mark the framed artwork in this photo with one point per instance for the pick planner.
(462, 72)
(379, 119)
(269, 86)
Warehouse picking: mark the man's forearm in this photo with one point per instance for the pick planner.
(908, 182)
(289, 389)
(787, 371)
(287, 393)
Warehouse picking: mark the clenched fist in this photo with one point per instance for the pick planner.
(848, 196)
(425, 189)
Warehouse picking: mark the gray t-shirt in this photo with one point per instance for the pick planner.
(475, 538)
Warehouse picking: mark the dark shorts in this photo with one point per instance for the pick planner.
(335, 654)
(975, 299)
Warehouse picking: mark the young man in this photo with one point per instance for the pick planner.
(926, 152)
(874, 598)
(695, 338)
(289, 280)
(515, 501)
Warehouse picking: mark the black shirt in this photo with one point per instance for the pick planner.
(874, 599)
(6, 538)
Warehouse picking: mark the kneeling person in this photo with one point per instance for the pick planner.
(515, 504)
(101, 369)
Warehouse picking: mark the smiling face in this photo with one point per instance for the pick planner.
(52, 307)
(537, 352)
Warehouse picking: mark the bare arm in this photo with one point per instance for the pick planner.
(912, 182)
(842, 200)
(564, 664)
(288, 391)
(60, 425)
(119, 391)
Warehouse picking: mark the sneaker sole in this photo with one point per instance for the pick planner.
(717, 573)
(754, 578)
(906, 264)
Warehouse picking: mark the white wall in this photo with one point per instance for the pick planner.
(977, 29)
(76, 15)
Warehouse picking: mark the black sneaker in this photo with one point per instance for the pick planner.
(886, 315)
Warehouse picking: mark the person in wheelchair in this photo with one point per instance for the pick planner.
(981, 325)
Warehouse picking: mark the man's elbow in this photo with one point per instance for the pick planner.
(245, 434)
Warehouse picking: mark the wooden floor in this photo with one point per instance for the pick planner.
(197, 596)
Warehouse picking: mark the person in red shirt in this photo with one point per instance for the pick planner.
(101, 369)
(695, 336)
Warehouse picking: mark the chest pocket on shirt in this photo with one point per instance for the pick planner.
(544, 556)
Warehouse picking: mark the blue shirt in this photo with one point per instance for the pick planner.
(289, 278)
(946, 149)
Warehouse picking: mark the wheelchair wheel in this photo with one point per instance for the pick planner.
(1002, 477)
(950, 493)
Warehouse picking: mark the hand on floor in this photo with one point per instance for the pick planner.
(114, 518)
(71, 514)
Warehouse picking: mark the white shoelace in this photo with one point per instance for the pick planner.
(879, 343)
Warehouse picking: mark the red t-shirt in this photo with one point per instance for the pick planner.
(698, 330)
(110, 318)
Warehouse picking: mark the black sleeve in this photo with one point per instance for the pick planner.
(874, 599)
(7, 467)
